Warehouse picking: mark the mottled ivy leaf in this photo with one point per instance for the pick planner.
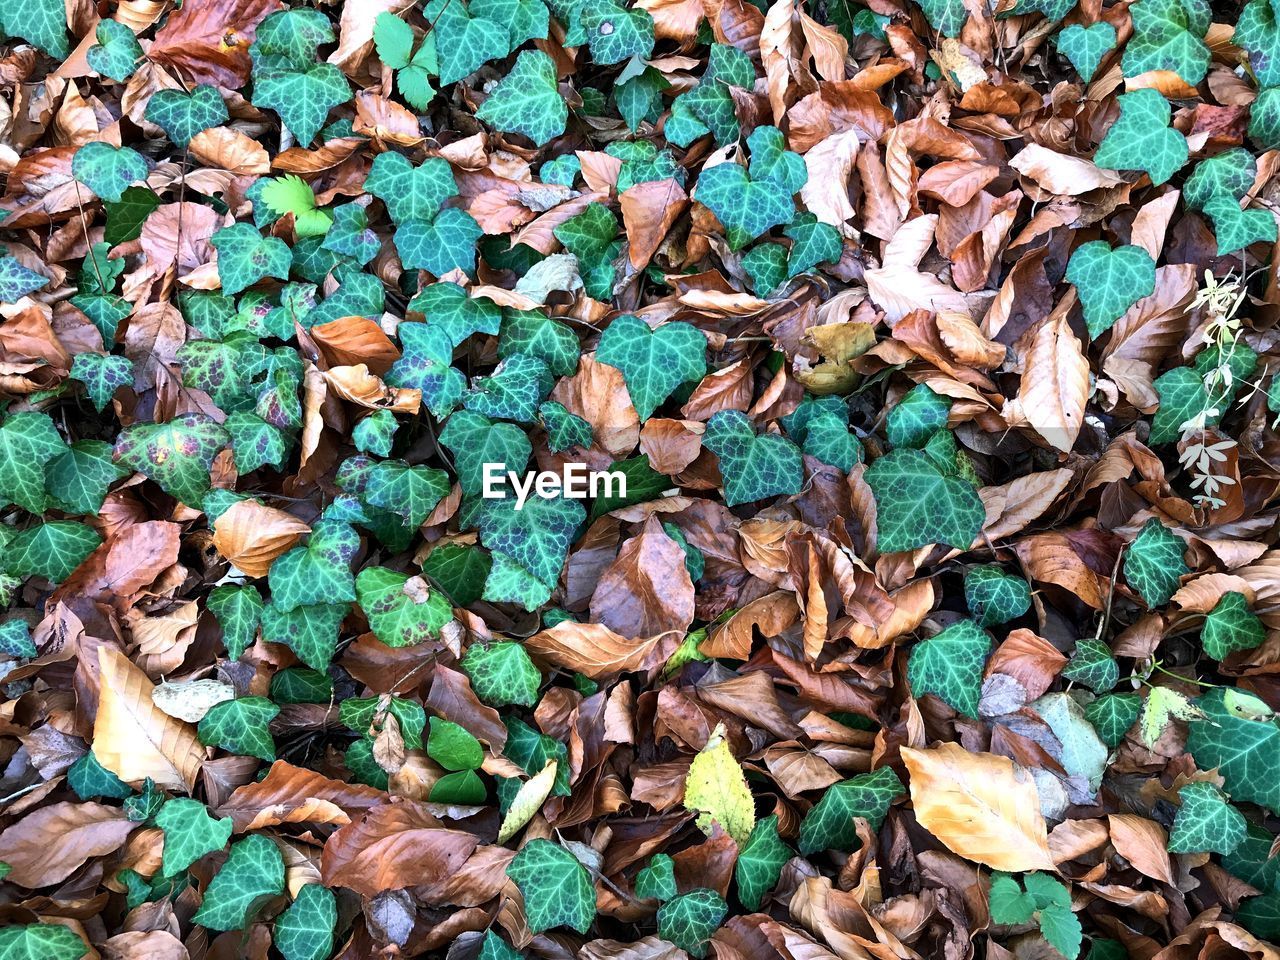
(917, 417)
(1183, 397)
(292, 35)
(1258, 32)
(108, 170)
(28, 441)
(1231, 626)
(305, 930)
(690, 919)
(40, 22)
(302, 96)
(657, 881)
(446, 242)
(102, 375)
(1206, 822)
(829, 824)
(639, 99)
(256, 443)
(493, 947)
(946, 16)
(475, 440)
(1230, 173)
(460, 571)
(1110, 281)
(451, 746)
(994, 596)
(514, 391)
(1236, 229)
(145, 804)
(653, 362)
(16, 281)
(917, 504)
(350, 235)
(375, 433)
(402, 611)
(1251, 861)
(709, 107)
(189, 833)
(51, 550)
(1168, 35)
(318, 573)
(1244, 750)
(1093, 666)
(615, 33)
(1086, 46)
(41, 941)
(1141, 138)
(90, 780)
(527, 100)
(182, 115)
(15, 640)
(766, 264)
(565, 430)
(79, 479)
(541, 336)
(812, 242)
(245, 256)
(750, 202)
(409, 492)
(563, 170)
(238, 610)
(760, 863)
(252, 874)
(364, 768)
(301, 685)
(557, 889)
(1264, 119)
(464, 41)
(532, 751)
(177, 455)
(241, 726)
(1113, 715)
(447, 307)
(116, 53)
(367, 716)
(949, 665)
(424, 365)
(589, 236)
(1153, 564)
(752, 466)
(502, 674)
(409, 192)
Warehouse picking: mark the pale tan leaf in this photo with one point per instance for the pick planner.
(252, 535)
(1055, 383)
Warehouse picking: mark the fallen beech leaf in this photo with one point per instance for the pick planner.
(47, 845)
(251, 535)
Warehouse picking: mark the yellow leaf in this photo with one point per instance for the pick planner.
(529, 799)
(980, 806)
(717, 789)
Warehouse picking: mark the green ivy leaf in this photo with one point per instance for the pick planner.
(375, 433)
(42, 23)
(829, 824)
(502, 674)
(16, 642)
(1110, 281)
(1093, 666)
(557, 889)
(917, 504)
(1086, 46)
(318, 573)
(189, 833)
(750, 202)
(1237, 229)
(350, 235)
(41, 941)
(292, 36)
(465, 42)
(245, 256)
(256, 443)
(79, 479)
(690, 919)
(102, 374)
(527, 100)
(1231, 626)
(238, 610)
(402, 611)
(182, 115)
(766, 264)
(51, 550)
(994, 596)
(1141, 139)
(177, 455)
(1245, 751)
(409, 192)
(241, 726)
(1153, 565)
(821, 426)
(28, 441)
(639, 99)
(301, 685)
(444, 243)
(949, 665)
(475, 440)
(812, 242)
(447, 307)
(305, 930)
(657, 881)
(424, 365)
(453, 747)
(917, 417)
(1264, 119)
(108, 170)
(125, 219)
(302, 96)
(1258, 32)
(1206, 822)
(1261, 916)
(253, 873)
(1113, 716)
(1168, 35)
(1230, 173)
(752, 466)
(709, 107)
(1182, 398)
(653, 362)
(459, 570)
(367, 716)
(565, 430)
(541, 336)
(760, 863)
(117, 52)
(946, 16)
(16, 281)
(409, 492)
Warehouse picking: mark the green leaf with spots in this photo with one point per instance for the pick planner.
(1182, 397)
(657, 881)
(102, 375)
(1230, 173)
(514, 391)
(241, 726)
(615, 33)
(760, 863)
(41, 941)
(28, 441)
(182, 115)
(375, 433)
(475, 440)
(424, 364)
(527, 100)
(50, 550)
(302, 96)
(502, 674)
(15, 640)
(177, 455)
(1231, 626)
(1086, 46)
(402, 611)
(117, 53)
(16, 281)
(1093, 666)
(409, 192)
(1236, 229)
(750, 202)
(305, 930)
(917, 504)
(949, 665)
(653, 362)
(108, 170)
(1113, 715)
(1258, 32)
(709, 107)
(557, 889)
(189, 833)
(1206, 822)
(40, 22)
(252, 874)
(1168, 35)
(1153, 565)
(690, 919)
(946, 16)
(245, 256)
(1245, 751)
(292, 36)
(812, 242)
(350, 235)
(256, 443)
(444, 243)
(1110, 281)
(318, 573)
(994, 596)
(451, 746)
(752, 466)
(459, 570)
(78, 480)
(565, 430)
(1141, 138)
(541, 336)
(917, 417)
(829, 824)
(447, 307)
(534, 539)
(523, 19)
(766, 263)
(238, 610)
(367, 716)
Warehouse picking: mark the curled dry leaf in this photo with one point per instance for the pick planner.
(252, 535)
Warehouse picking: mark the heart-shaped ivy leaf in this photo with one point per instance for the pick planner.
(1110, 281)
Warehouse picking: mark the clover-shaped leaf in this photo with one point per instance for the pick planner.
(653, 362)
(557, 889)
(918, 504)
(241, 726)
(1110, 281)
(177, 455)
(1086, 46)
(949, 665)
(182, 115)
(402, 610)
(1153, 564)
(752, 466)
(253, 873)
(1141, 139)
